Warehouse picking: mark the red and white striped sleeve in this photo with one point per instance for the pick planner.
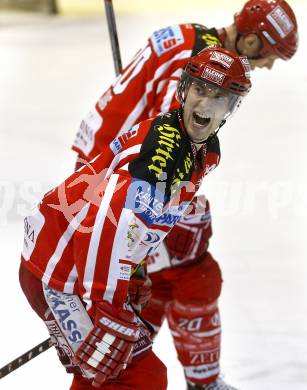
(85, 236)
(146, 86)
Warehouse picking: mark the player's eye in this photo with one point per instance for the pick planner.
(200, 90)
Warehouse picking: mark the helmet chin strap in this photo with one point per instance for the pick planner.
(211, 135)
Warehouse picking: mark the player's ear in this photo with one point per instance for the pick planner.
(251, 45)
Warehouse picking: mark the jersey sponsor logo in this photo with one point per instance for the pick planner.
(148, 205)
(280, 21)
(132, 234)
(166, 160)
(124, 271)
(166, 39)
(171, 215)
(32, 226)
(222, 58)
(70, 315)
(63, 348)
(125, 137)
(167, 219)
(180, 174)
(116, 146)
(213, 75)
(210, 39)
(145, 200)
(152, 213)
(29, 231)
(137, 248)
(169, 140)
(118, 143)
(85, 137)
(152, 238)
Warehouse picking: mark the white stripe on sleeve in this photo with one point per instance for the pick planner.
(96, 238)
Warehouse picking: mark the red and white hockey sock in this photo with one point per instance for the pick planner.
(196, 330)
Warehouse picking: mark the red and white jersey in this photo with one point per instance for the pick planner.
(145, 88)
(89, 232)
(187, 241)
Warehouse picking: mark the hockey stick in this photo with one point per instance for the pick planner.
(25, 358)
(113, 36)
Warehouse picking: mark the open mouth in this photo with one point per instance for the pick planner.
(201, 119)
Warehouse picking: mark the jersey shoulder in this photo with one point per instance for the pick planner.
(204, 37)
(189, 36)
(172, 39)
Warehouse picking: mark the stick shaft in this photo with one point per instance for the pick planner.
(25, 358)
(113, 36)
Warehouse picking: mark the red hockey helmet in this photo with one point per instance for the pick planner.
(219, 69)
(274, 23)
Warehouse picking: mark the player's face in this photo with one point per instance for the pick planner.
(204, 109)
(250, 46)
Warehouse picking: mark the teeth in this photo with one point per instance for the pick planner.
(202, 116)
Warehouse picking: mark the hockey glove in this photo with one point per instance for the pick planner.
(107, 349)
(139, 291)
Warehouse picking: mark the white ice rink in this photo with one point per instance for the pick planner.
(52, 70)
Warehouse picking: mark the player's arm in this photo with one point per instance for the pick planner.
(114, 248)
(119, 108)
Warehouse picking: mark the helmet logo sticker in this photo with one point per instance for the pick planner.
(244, 61)
(222, 58)
(213, 75)
(280, 21)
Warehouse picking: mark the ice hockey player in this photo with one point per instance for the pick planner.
(264, 30)
(89, 234)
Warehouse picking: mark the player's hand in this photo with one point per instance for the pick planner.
(108, 347)
(139, 291)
